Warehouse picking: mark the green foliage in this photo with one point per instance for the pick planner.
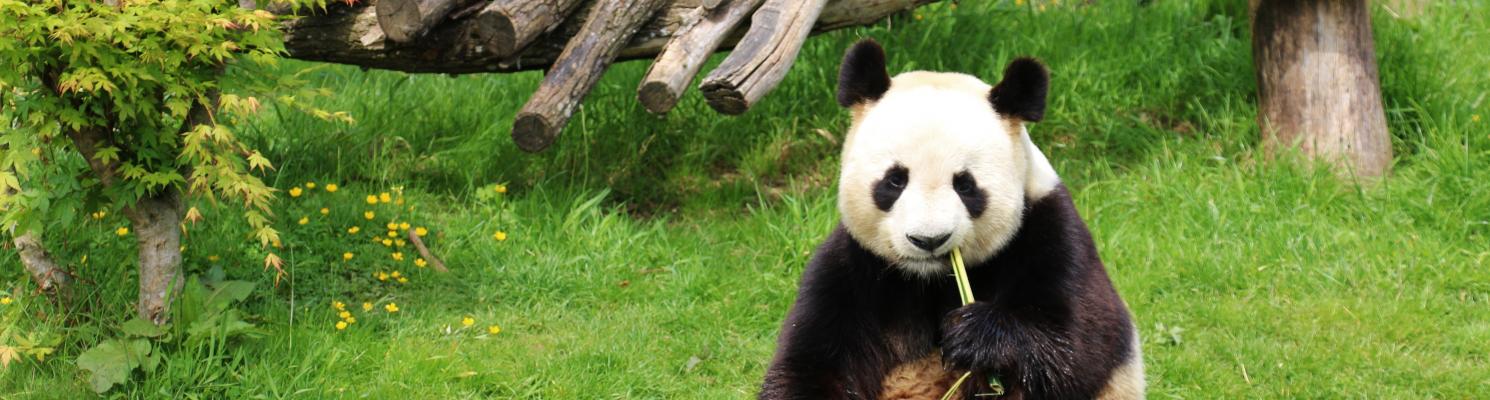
(204, 319)
(133, 92)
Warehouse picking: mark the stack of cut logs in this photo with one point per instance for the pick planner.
(576, 40)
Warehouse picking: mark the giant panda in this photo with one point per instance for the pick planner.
(934, 161)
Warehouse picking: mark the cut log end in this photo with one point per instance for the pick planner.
(724, 97)
(533, 132)
(496, 31)
(657, 97)
(400, 19)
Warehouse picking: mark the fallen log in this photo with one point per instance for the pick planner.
(406, 20)
(506, 26)
(761, 59)
(577, 69)
(684, 55)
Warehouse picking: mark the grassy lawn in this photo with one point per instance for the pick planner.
(648, 257)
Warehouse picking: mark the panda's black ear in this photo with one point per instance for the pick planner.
(862, 77)
(1022, 92)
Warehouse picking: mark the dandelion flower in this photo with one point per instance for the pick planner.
(403, 280)
(344, 314)
(398, 242)
(499, 236)
(397, 256)
(213, 258)
(346, 256)
(339, 306)
(341, 325)
(500, 188)
(121, 231)
(5, 301)
(303, 220)
(325, 210)
(295, 192)
(387, 242)
(419, 262)
(493, 329)
(397, 274)
(384, 197)
(420, 231)
(366, 306)
(391, 226)
(310, 185)
(467, 321)
(331, 187)
(403, 226)
(391, 307)
(371, 199)
(382, 276)
(369, 215)
(354, 230)
(351, 320)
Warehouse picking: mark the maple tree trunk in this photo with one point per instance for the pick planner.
(156, 221)
(1317, 83)
(52, 279)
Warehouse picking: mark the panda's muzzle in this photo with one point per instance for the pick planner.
(927, 242)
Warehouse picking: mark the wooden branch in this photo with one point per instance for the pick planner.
(506, 26)
(684, 55)
(406, 20)
(434, 262)
(607, 29)
(350, 35)
(763, 56)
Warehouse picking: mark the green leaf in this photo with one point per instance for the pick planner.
(110, 362)
(142, 328)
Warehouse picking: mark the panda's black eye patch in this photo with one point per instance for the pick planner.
(974, 198)
(889, 187)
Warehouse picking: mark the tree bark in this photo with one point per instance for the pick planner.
(156, 221)
(1317, 83)
(406, 20)
(684, 55)
(610, 25)
(761, 59)
(350, 35)
(506, 26)
(52, 279)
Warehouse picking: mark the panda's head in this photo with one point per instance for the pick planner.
(938, 160)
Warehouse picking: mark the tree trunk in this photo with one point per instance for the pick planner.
(52, 279)
(763, 56)
(156, 221)
(506, 26)
(685, 54)
(1317, 83)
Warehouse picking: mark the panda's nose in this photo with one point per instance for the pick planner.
(928, 243)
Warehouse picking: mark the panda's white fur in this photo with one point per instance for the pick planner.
(938, 124)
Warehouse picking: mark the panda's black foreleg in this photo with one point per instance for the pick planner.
(1028, 355)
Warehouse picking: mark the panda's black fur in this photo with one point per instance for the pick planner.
(1047, 322)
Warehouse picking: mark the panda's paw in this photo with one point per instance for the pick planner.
(969, 336)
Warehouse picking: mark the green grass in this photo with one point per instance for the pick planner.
(1247, 279)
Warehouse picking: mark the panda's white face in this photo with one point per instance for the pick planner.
(930, 165)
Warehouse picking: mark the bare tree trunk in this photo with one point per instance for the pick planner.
(50, 278)
(157, 224)
(1317, 83)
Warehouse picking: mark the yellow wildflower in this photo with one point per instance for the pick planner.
(499, 236)
(419, 262)
(121, 231)
(371, 199)
(366, 306)
(467, 321)
(384, 197)
(5, 301)
(400, 201)
(340, 325)
(1475, 118)
(387, 242)
(493, 329)
(403, 226)
(397, 274)
(368, 215)
(325, 210)
(100, 214)
(391, 307)
(213, 258)
(382, 276)
(403, 280)
(354, 230)
(391, 225)
(346, 256)
(310, 185)
(304, 220)
(397, 256)
(295, 192)
(501, 188)
(420, 231)
(339, 306)
(344, 314)
(331, 187)
(351, 320)
(398, 242)
(392, 234)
